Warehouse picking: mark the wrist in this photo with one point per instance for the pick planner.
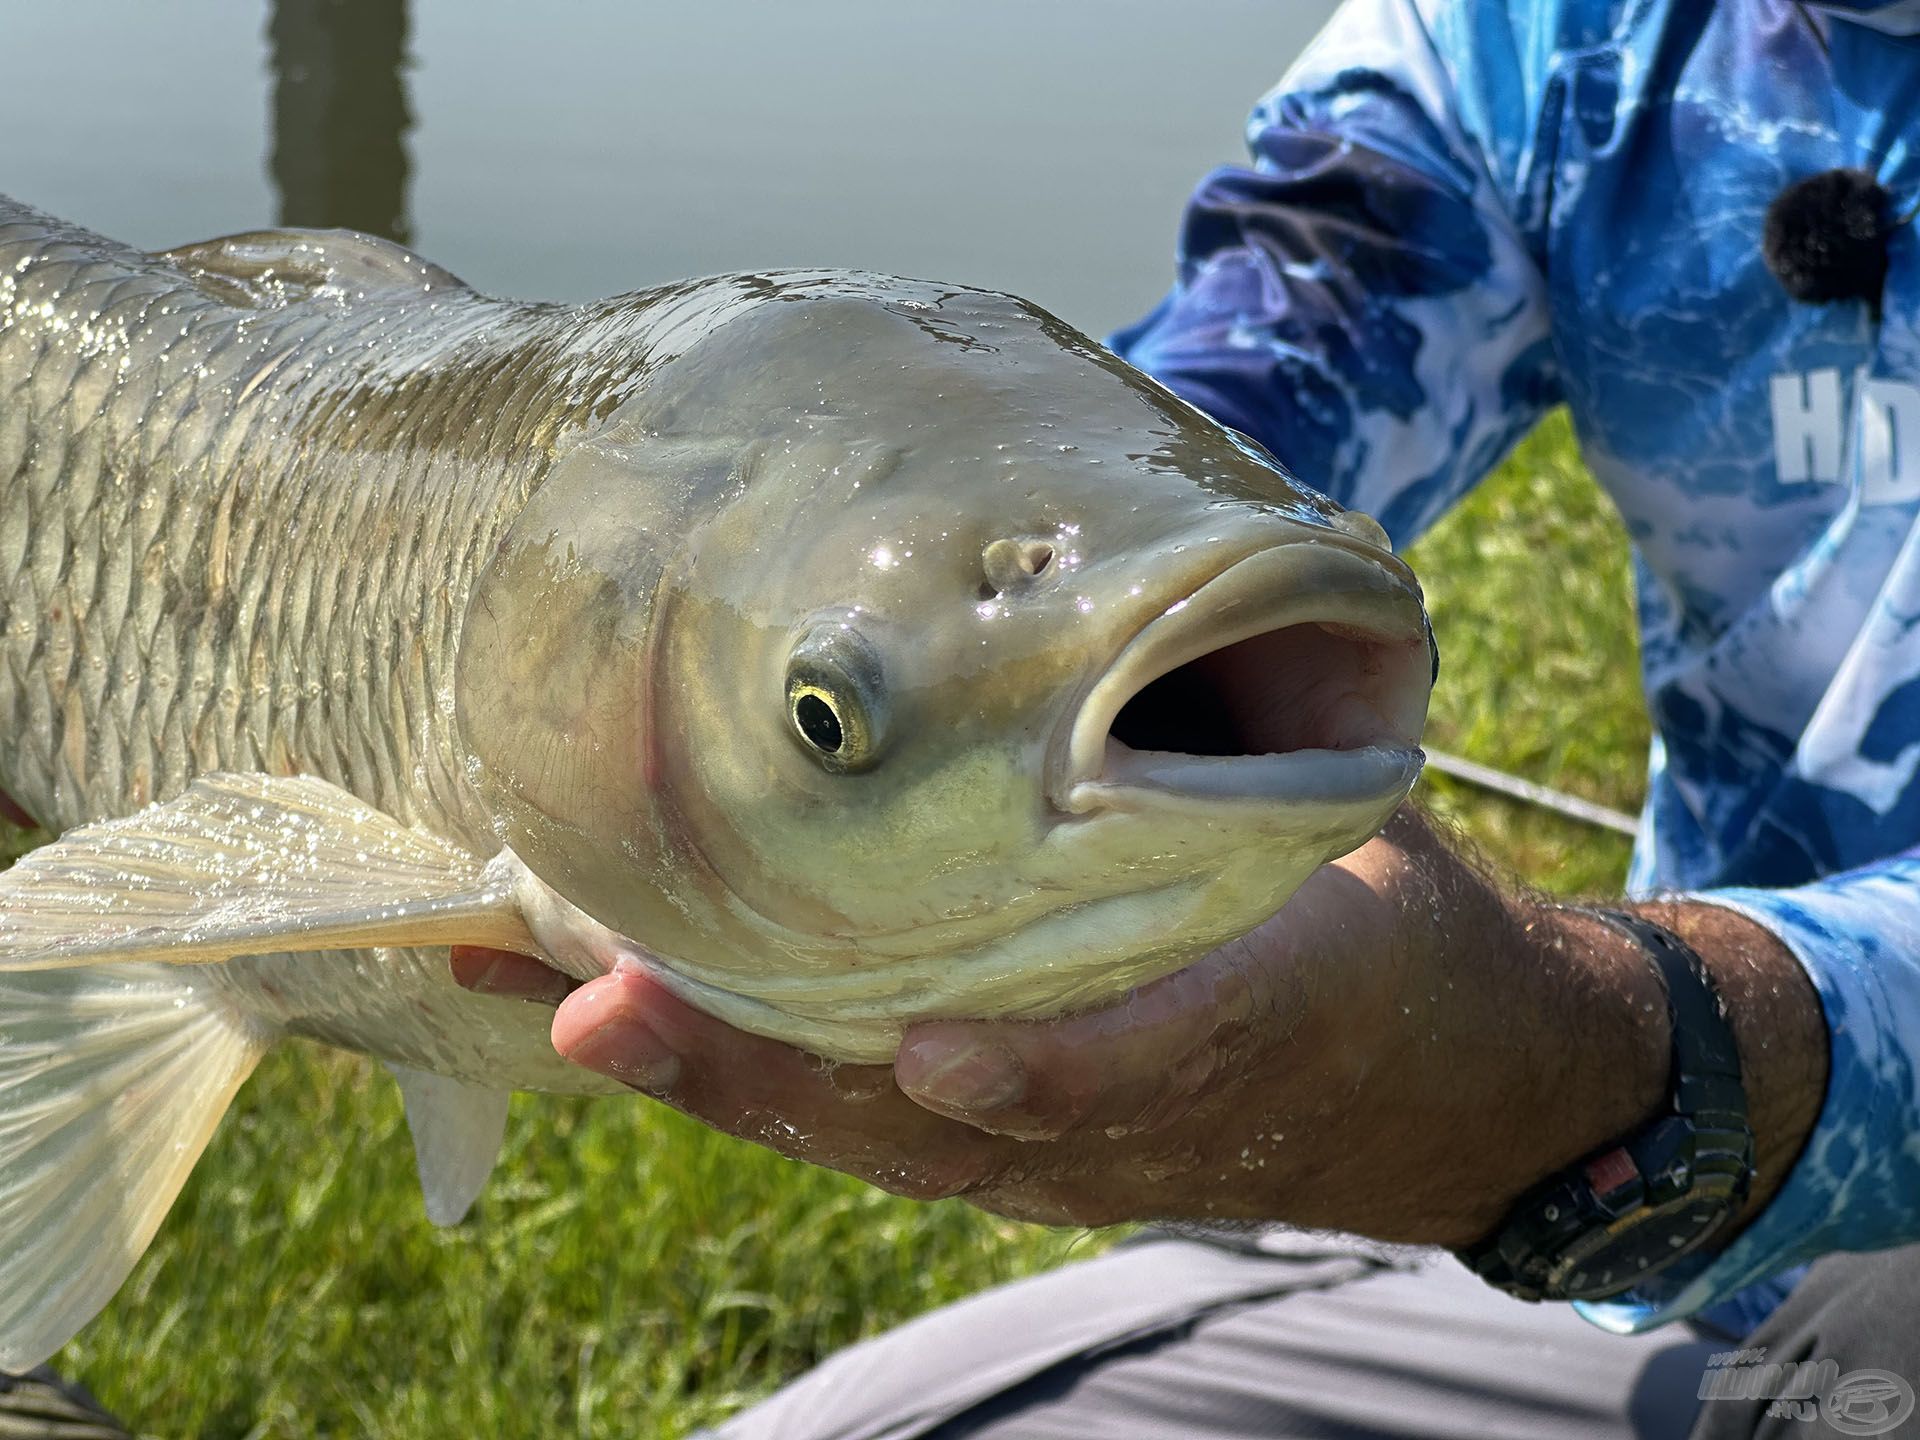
(1778, 1024)
(1528, 1037)
(1772, 1018)
(1618, 1063)
(1668, 1189)
(1589, 1047)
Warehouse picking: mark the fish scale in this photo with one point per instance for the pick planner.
(354, 553)
(209, 571)
(346, 612)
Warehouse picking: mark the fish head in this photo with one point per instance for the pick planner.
(906, 653)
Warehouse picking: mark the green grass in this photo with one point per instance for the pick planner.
(1527, 583)
(628, 1274)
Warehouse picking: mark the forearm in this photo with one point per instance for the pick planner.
(1612, 1075)
(1566, 1047)
(1402, 1051)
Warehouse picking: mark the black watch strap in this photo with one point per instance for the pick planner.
(1633, 1207)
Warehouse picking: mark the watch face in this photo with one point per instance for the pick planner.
(1605, 1261)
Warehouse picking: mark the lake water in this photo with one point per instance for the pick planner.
(585, 147)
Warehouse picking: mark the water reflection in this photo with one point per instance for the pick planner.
(340, 114)
(583, 149)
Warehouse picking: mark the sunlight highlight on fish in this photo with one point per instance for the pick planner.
(865, 649)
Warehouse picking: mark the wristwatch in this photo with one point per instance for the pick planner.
(1632, 1208)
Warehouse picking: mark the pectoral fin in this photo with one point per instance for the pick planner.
(457, 1130)
(249, 865)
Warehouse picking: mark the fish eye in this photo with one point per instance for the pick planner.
(817, 719)
(835, 698)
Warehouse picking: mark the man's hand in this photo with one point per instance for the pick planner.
(1400, 1052)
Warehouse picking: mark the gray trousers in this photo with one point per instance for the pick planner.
(1286, 1335)
(1296, 1336)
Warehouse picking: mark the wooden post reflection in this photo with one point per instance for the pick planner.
(340, 113)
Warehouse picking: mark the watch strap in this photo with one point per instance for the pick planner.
(1630, 1208)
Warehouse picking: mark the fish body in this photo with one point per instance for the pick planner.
(868, 649)
(223, 555)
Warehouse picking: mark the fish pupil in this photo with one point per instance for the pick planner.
(818, 723)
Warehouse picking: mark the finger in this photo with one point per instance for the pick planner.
(509, 976)
(1127, 1068)
(846, 1117)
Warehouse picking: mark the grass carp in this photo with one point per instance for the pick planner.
(866, 649)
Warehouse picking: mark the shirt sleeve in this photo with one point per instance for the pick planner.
(1856, 1184)
(1365, 300)
(1368, 300)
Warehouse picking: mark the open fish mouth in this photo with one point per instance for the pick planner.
(1300, 674)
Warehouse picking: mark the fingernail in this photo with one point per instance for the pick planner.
(629, 1052)
(984, 1077)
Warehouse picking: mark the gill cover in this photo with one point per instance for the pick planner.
(555, 687)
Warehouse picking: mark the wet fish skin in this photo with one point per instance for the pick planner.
(303, 504)
(846, 458)
(345, 613)
(241, 536)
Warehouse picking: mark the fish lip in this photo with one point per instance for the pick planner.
(1327, 580)
(1327, 780)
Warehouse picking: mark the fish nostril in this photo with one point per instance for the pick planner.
(1012, 563)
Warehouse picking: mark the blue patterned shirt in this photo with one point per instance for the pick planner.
(1463, 212)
